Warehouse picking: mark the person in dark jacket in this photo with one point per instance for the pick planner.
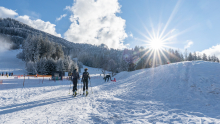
(74, 77)
(107, 78)
(85, 81)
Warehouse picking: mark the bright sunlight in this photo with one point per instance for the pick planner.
(156, 44)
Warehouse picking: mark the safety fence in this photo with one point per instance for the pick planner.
(21, 81)
(29, 81)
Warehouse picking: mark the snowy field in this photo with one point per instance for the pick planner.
(187, 92)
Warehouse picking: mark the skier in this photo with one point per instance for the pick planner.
(75, 76)
(85, 78)
(107, 78)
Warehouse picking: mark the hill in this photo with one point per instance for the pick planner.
(184, 92)
(9, 62)
(16, 32)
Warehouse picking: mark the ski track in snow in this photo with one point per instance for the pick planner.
(185, 92)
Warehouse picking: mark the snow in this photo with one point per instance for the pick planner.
(9, 62)
(185, 92)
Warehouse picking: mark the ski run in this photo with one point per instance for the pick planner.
(185, 92)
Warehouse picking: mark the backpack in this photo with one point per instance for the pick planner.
(85, 75)
(75, 75)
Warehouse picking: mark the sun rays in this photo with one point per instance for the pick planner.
(158, 40)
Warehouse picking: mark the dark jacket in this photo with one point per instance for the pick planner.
(85, 76)
(75, 75)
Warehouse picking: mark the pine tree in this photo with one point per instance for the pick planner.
(186, 55)
(112, 66)
(190, 57)
(195, 56)
(209, 58)
(50, 66)
(204, 57)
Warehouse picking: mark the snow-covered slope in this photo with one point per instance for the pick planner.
(186, 92)
(10, 63)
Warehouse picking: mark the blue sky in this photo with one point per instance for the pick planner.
(122, 23)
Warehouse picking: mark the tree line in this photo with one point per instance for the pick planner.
(56, 53)
(43, 56)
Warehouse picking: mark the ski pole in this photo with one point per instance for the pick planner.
(90, 85)
(80, 89)
(70, 87)
(81, 85)
(77, 86)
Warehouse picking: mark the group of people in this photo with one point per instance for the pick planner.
(7, 74)
(85, 79)
(107, 77)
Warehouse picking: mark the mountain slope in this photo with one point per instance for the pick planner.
(10, 63)
(186, 92)
(17, 32)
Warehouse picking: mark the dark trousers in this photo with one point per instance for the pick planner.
(107, 78)
(74, 84)
(85, 84)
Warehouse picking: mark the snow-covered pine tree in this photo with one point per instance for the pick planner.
(112, 66)
(31, 68)
(50, 66)
(204, 57)
(41, 66)
(60, 65)
(190, 57)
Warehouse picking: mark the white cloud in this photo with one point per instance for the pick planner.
(214, 50)
(95, 22)
(37, 24)
(62, 16)
(5, 13)
(189, 44)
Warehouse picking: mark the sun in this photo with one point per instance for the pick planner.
(156, 44)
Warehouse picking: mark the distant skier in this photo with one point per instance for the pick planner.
(75, 76)
(85, 78)
(107, 78)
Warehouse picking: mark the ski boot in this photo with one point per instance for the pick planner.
(74, 94)
(87, 93)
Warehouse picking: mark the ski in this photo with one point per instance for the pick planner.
(74, 94)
